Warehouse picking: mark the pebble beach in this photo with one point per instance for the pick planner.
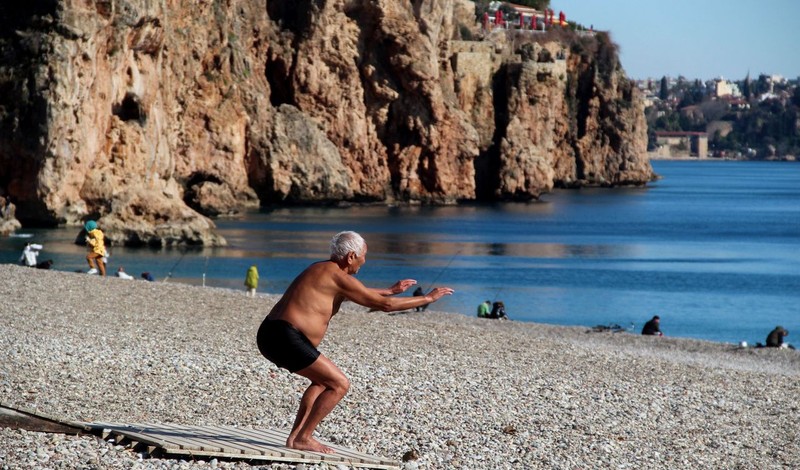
(460, 392)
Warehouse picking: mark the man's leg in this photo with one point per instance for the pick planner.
(306, 403)
(328, 386)
(101, 265)
(90, 260)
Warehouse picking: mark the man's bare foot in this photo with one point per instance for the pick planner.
(309, 444)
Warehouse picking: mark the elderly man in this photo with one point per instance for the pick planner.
(290, 334)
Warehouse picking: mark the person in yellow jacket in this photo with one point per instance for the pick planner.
(95, 241)
(251, 281)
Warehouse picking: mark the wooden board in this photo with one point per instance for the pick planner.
(173, 440)
(31, 420)
(231, 442)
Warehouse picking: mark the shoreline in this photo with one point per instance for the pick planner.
(790, 159)
(462, 391)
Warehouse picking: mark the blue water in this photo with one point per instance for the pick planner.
(712, 247)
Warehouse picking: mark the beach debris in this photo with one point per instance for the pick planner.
(510, 429)
(613, 328)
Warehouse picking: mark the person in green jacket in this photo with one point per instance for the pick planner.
(484, 309)
(251, 281)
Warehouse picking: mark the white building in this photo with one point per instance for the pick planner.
(726, 88)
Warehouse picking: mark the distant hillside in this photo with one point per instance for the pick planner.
(754, 120)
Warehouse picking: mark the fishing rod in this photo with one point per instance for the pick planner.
(497, 294)
(445, 268)
(437, 277)
(169, 274)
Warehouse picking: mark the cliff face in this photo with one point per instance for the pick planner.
(155, 115)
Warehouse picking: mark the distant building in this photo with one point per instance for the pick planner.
(726, 88)
(677, 144)
(528, 18)
(526, 12)
(777, 79)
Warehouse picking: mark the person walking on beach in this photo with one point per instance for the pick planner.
(251, 281)
(95, 240)
(291, 332)
(653, 327)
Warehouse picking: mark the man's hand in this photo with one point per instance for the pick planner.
(401, 286)
(439, 292)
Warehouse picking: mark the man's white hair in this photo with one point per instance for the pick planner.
(344, 243)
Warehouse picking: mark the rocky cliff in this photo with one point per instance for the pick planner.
(155, 116)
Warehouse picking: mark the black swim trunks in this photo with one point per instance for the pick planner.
(286, 346)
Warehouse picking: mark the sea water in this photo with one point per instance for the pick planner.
(712, 247)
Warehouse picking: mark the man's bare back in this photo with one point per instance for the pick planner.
(300, 320)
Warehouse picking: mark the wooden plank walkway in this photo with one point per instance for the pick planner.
(231, 442)
(173, 440)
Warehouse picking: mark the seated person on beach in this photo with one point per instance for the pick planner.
(418, 292)
(45, 264)
(775, 337)
(483, 309)
(653, 327)
(290, 334)
(498, 311)
(122, 274)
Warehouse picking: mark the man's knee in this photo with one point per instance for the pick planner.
(340, 385)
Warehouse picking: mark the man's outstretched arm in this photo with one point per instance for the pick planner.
(355, 291)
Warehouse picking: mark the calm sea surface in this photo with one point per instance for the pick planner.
(713, 248)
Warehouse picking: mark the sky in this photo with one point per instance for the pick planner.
(702, 39)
